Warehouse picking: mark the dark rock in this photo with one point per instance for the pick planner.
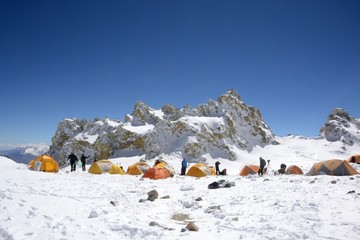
(152, 195)
(152, 223)
(192, 227)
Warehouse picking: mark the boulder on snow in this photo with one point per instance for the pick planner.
(152, 195)
(152, 223)
(192, 227)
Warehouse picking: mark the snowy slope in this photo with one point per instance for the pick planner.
(79, 205)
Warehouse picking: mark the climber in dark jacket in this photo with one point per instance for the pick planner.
(83, 161)
(217, 163)
(73, 159)
(262, 166)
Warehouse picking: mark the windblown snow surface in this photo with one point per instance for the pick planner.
(80, 205)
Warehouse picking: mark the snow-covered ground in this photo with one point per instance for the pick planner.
(79, 205)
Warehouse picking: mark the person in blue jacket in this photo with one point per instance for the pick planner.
(184, 165)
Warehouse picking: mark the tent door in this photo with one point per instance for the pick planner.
(37, 166)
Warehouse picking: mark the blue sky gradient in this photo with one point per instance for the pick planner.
(294, 60)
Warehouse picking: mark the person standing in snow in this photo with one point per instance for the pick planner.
(217, 169)
(83, 161)
(262, 166)
(73, 159)
(184, 165)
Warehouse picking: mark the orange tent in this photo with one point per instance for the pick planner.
(249, 169)
(162, 164)
(293, 169)
(156, 173)
(332, 167)
(354, 159)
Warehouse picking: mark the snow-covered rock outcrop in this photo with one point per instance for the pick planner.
(341, 127)
(219, 128)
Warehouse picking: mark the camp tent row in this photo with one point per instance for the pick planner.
(163, 170)
(333, 167)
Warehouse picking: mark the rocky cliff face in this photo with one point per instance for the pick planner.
(219, 128)
(341, 127)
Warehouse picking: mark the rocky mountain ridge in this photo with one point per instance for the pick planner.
(219, 128)
(341, 127)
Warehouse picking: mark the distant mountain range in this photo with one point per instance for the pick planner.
(25, 153)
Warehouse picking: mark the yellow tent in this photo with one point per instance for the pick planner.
(138, 168)
(105, 166)
(201, 170)
(44, 163)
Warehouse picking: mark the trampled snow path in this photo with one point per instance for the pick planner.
(79, 205)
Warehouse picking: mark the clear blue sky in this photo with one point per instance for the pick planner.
(294, 60)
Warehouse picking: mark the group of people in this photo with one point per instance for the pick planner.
(264, 166)
(184, 165)
(73, 161)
